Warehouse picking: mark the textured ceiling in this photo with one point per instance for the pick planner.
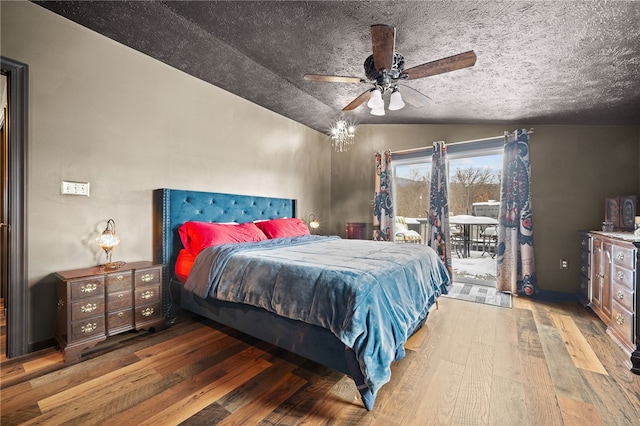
(542, 62)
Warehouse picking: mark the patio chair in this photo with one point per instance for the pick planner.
(489, 237)
(404, 234)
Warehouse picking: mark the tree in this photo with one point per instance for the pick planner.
(412, 195)
(471, 185)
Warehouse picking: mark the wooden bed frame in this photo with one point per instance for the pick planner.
(174, 207)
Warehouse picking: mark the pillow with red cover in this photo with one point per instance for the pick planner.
(196, 236)
(281, 228)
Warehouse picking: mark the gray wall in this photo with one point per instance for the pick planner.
(104, 113)
(573, 169)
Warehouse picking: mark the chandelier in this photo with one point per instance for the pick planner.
(342, 134)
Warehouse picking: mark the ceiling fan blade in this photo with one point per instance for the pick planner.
(413, 96)
(333, 78)
(358, 101)
(452, 63)
(383, 41)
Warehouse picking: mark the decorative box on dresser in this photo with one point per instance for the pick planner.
(613, 287)
(94, 304)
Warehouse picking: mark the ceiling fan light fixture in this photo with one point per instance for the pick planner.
(395, 101)
(375, 100)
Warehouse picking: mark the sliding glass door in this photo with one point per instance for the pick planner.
(474, 193)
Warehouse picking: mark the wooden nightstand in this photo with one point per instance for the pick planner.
(94, 304)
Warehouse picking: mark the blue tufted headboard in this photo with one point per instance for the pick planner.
(173, 207)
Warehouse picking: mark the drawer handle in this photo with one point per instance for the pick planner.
(147, 294)
(620, 275)
(120, 277)
(89, 307)
(60, 304)
(147, 312)
(583, 242)
(89, 328)
(620, 295)
(147, 278)
(583, 269)
(120, 314)
(620, 255)
(619, 319)
(120, 296)
(89, 288)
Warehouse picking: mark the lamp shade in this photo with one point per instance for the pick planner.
(107, 241)
(377, 111)
(375, 100)
(396, 102)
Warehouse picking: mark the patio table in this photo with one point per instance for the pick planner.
(467, 222)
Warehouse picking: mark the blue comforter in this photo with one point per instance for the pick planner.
(371, 295)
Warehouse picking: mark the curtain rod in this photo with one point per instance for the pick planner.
(409, 151)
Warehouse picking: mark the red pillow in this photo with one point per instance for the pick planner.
(196, 236)
(280, 228)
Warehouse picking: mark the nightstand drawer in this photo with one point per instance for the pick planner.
(87, 287)
(147, 294)
(119, 281)
(87, 308)
(119, 300)
(148, 276)
(622, 322)
(86, 329)
(148, 313)
(119, 320)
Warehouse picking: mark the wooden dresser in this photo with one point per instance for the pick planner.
(94, 304)
(610, 270)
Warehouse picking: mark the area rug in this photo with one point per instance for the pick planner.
(479, 294)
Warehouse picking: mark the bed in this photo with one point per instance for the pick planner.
(359, 332)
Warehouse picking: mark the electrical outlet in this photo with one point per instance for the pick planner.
(564, 264)
(74, 188)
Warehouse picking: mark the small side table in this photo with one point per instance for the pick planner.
(356, 231)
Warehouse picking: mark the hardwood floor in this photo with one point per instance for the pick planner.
(539, 363)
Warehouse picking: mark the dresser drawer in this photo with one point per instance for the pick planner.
(119, 300)
(87, 287)
(148, 276)
(623, 295)
(622, 322)
(585, 242)
(87, 329)
(147, 294)
(583, 283)
(119, 320)
(624, 256)
(119, 281)
(148, 313)
(622, 276)
(87, 308)
(585, 259)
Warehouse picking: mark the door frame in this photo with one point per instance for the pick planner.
(15, 188)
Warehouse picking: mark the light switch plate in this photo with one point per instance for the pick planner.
(75, 188)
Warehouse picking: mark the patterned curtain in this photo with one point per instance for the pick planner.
(516, 265)
(438, 236)
(383, 202)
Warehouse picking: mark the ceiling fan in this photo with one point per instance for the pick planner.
(385, 69)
